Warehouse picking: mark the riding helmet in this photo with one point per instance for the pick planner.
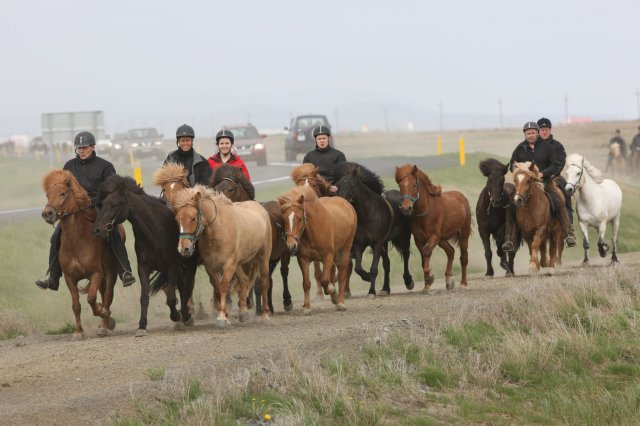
(224, 134)
(185, 130)
(530, 125)
(321, 130)
(544, 122)
(84, 139)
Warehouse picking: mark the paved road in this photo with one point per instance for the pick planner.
(270, 175)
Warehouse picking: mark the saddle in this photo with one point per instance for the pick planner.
(555, 201)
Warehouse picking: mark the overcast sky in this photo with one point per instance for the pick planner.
(162, 63)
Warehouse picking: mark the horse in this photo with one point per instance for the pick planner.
(156, 234)
(230, 181)
(617, 165)
(599, 202)
(437, 218)
(234, 243)
(82, 255)
(379, 221)
(171, 178)
(491, 211)
(320, 229)
(535, 215)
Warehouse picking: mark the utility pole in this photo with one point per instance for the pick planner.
(500, 111)
(441, 117)
(386, 119)
(566, 109)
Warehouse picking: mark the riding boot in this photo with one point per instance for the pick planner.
(566, 222)
(52, 282)
(120, 251)
(510, 229)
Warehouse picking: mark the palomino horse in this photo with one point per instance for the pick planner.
(82, 255)
(491, 211)
(379, 222)
(534, 215)
(437, 219)
(156, 235)
(234, 242)
(308, 174)
(230, 181)
(319, 229)
(599, 202)
(618, 162)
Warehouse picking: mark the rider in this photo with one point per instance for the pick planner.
(542, 153)
(194, 163)
(623, 147)
(224, 141)
(324, 156)
(90, 171)
(635, 143)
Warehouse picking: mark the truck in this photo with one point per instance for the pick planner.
(59, 129)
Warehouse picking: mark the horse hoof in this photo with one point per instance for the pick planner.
(384, 292)
(306, 311)
(409, 285)
(509, 274)
(189, 322)
(450, 284)
(179, 326)
(141, 332)
(334, 297)
(488, 274)
(175, 316)
(112, 324)
(244, 316)
(551, 272)
(102, 332)
(78, 336)
(371, 296)
(463, 285)
(329, 289)
(429, 280)
(222, 324)
(340, 307)
(288, 307)
(427, 288)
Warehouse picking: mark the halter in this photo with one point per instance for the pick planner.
(200, 227)
(62, 214)
(230, 180)
(304, 225)
(416, 198)
(576, 186)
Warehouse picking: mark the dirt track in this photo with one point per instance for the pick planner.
(53, 380)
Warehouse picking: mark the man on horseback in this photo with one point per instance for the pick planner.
(623, 148)
(224, 141)
(198, 170)
(90, 171)
(543, 153)
(324, 156)
(634, 150)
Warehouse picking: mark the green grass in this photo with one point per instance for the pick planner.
(67, 328)
(155, 373)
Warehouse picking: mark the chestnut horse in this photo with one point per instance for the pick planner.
(437, 218)
(319, 229)
(535, 217)
(235, 242)
(230, 181)
(82, 255)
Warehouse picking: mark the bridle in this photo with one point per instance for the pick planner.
(416, 198)
(62, 214)
(304, 225)
(194, 236)
(576, 186)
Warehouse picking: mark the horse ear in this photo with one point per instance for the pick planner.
(414, 170)
(197, 197)
(316, 170)
(300, 199)
(505, 169)
(280, 200)
(532, 167)
(354, 172)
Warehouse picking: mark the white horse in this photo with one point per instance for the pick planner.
(598, 202)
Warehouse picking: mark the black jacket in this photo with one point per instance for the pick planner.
(90, 173)
(635, 143)
(559, 154)
(542, 155)
(199, 170)
(324, 160)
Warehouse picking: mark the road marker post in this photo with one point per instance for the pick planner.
(137, 174)
(462, 157)
(439, 146)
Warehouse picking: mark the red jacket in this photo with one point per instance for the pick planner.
(215, 162)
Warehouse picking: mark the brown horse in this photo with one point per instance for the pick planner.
(235, 242)
(618, 162)
(437, 218)
(82, 255)
(534, 216)
(171, 177)
(319, 229)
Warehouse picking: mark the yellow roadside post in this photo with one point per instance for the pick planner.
(131, 160)
(439, 145)
(462, 151)
(137, 174)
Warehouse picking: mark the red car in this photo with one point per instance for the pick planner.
(248, 143)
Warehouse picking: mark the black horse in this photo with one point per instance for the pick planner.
(156, 240)
(379, 221)
(230, 181)
(491, 211)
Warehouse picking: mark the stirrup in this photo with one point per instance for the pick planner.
(128, 279)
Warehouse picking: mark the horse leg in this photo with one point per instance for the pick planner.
(222, 288)
(107, 291)
(264, 273)
(143, 274)
(244, 281)
(405, 250)
(450, 251)
(334, 278)
(377, 252)
(327, 275)
(615, 224)
(386, 266)
(464, 255)
(486, 243)
(343, 279)
(553, 250)
(357, 251)
(316, 274)
(285, 259)
(603, 248)
(75, 306)
(544, 260)
(306, 284)
(426, 252)
(534, 263)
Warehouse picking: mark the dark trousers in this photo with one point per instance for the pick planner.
(115, 243)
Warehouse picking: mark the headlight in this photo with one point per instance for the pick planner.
(157, 143)
(117, 146)
(258, 146)
(301, 138)
(134, 145)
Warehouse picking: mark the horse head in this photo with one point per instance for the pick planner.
(188, 210)
(348, 186)
(114, 205)
(407, 180)
(575, 173)
(171, 177)
(64, 196)
(308, 174)
(525, 176)
(230, 181)
(495, 171)
(292, 205)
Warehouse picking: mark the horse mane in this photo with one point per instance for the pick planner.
(170, 172)
(424, 179)
(120, 183)
(227, 171)
(291, 196)
(65, 177)
(369, 178)
(595, 173)
(308, 170)
(491, 165)
(520, 168)
(186, 197)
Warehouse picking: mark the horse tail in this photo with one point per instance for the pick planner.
(157, 283)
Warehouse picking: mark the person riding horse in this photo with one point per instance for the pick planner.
(324, 156)
(623, 148)
(90, 171)
(634, 151)
(195, 164)
(224, 142)
(543, 153)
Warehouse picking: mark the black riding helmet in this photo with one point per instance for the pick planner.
(530, 125)
(84, 139)
(185, 130)
(224, 134)
(544, 122)
(321, 130)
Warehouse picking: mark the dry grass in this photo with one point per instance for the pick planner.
(13, 324)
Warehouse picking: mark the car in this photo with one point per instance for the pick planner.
(141, 143)
(249, 143)
(299, 139)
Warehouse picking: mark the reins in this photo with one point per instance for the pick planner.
(62, 214)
